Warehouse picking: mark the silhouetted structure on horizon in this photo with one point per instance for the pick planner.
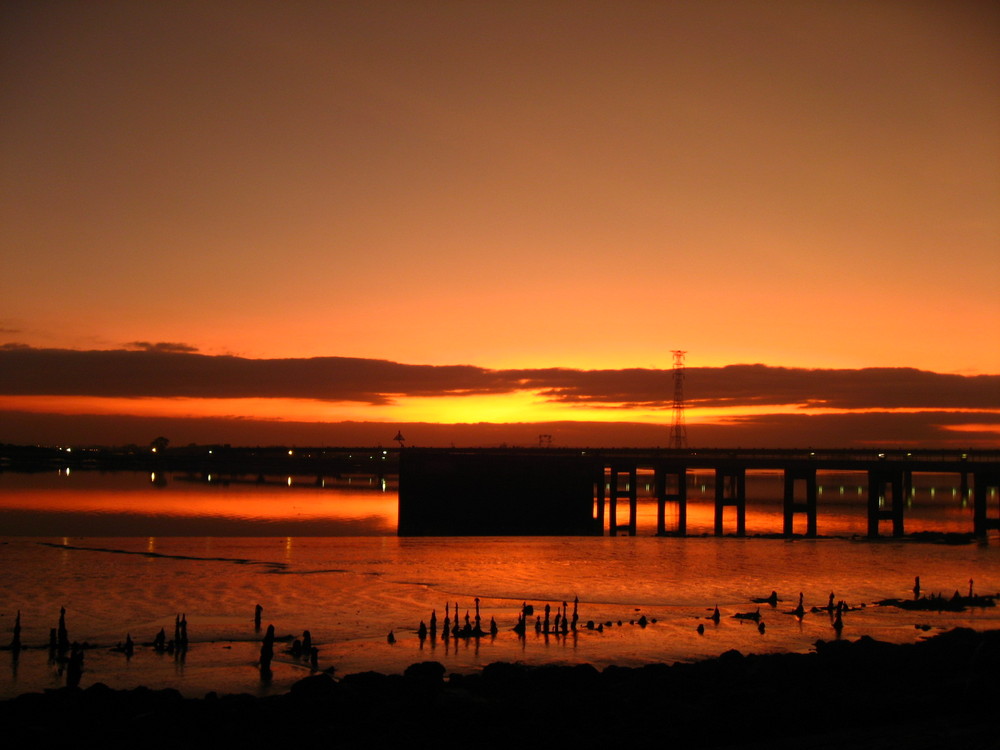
(577, 492)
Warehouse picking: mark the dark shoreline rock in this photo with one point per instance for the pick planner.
(956, 603)
(926, 694)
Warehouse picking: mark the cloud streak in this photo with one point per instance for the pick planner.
(169, 370)
(760, 385)
(162, 346)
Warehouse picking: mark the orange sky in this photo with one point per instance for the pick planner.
(505, 184)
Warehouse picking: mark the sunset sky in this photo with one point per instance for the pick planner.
(320, 222)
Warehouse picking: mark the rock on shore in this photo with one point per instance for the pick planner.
(939, 692)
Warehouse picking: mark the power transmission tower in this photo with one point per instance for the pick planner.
(678, 430)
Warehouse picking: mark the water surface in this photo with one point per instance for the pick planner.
(126, 553)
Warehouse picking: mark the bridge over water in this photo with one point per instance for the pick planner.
(578, 491)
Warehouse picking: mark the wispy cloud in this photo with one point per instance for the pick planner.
(162, 347)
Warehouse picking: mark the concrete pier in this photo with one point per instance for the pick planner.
(984, 482)
(887, 490)
(671, 487)
(623, 474)
(794, 477)
(731, 491)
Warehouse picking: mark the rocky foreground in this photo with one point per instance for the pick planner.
(940, 692)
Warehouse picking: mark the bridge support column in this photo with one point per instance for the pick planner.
(600, 494)
(808, 506)
(886, 498)
(663, 478)
(731, 489)
(983, 482)
(617, 492)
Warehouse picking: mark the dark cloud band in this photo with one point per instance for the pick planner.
(176, 370)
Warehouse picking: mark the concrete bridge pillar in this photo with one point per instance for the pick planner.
(628, 473)
(731, 490)
(600, 498)
(983, 482)
(887, 489)
(671, 486)
(807, 506)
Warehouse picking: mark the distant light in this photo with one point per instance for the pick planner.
(289, 481)
(154, 449)
(384, 452)
(69, 450)
(210, 451)
(290, 452)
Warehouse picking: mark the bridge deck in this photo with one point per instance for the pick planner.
(577, 491)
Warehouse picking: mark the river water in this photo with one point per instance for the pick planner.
(126, 553)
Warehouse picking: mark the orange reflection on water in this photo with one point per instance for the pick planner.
(267, 504)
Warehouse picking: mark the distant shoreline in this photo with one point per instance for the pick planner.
(865, 693)
(217, 459)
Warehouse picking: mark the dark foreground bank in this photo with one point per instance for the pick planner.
(937, 693)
